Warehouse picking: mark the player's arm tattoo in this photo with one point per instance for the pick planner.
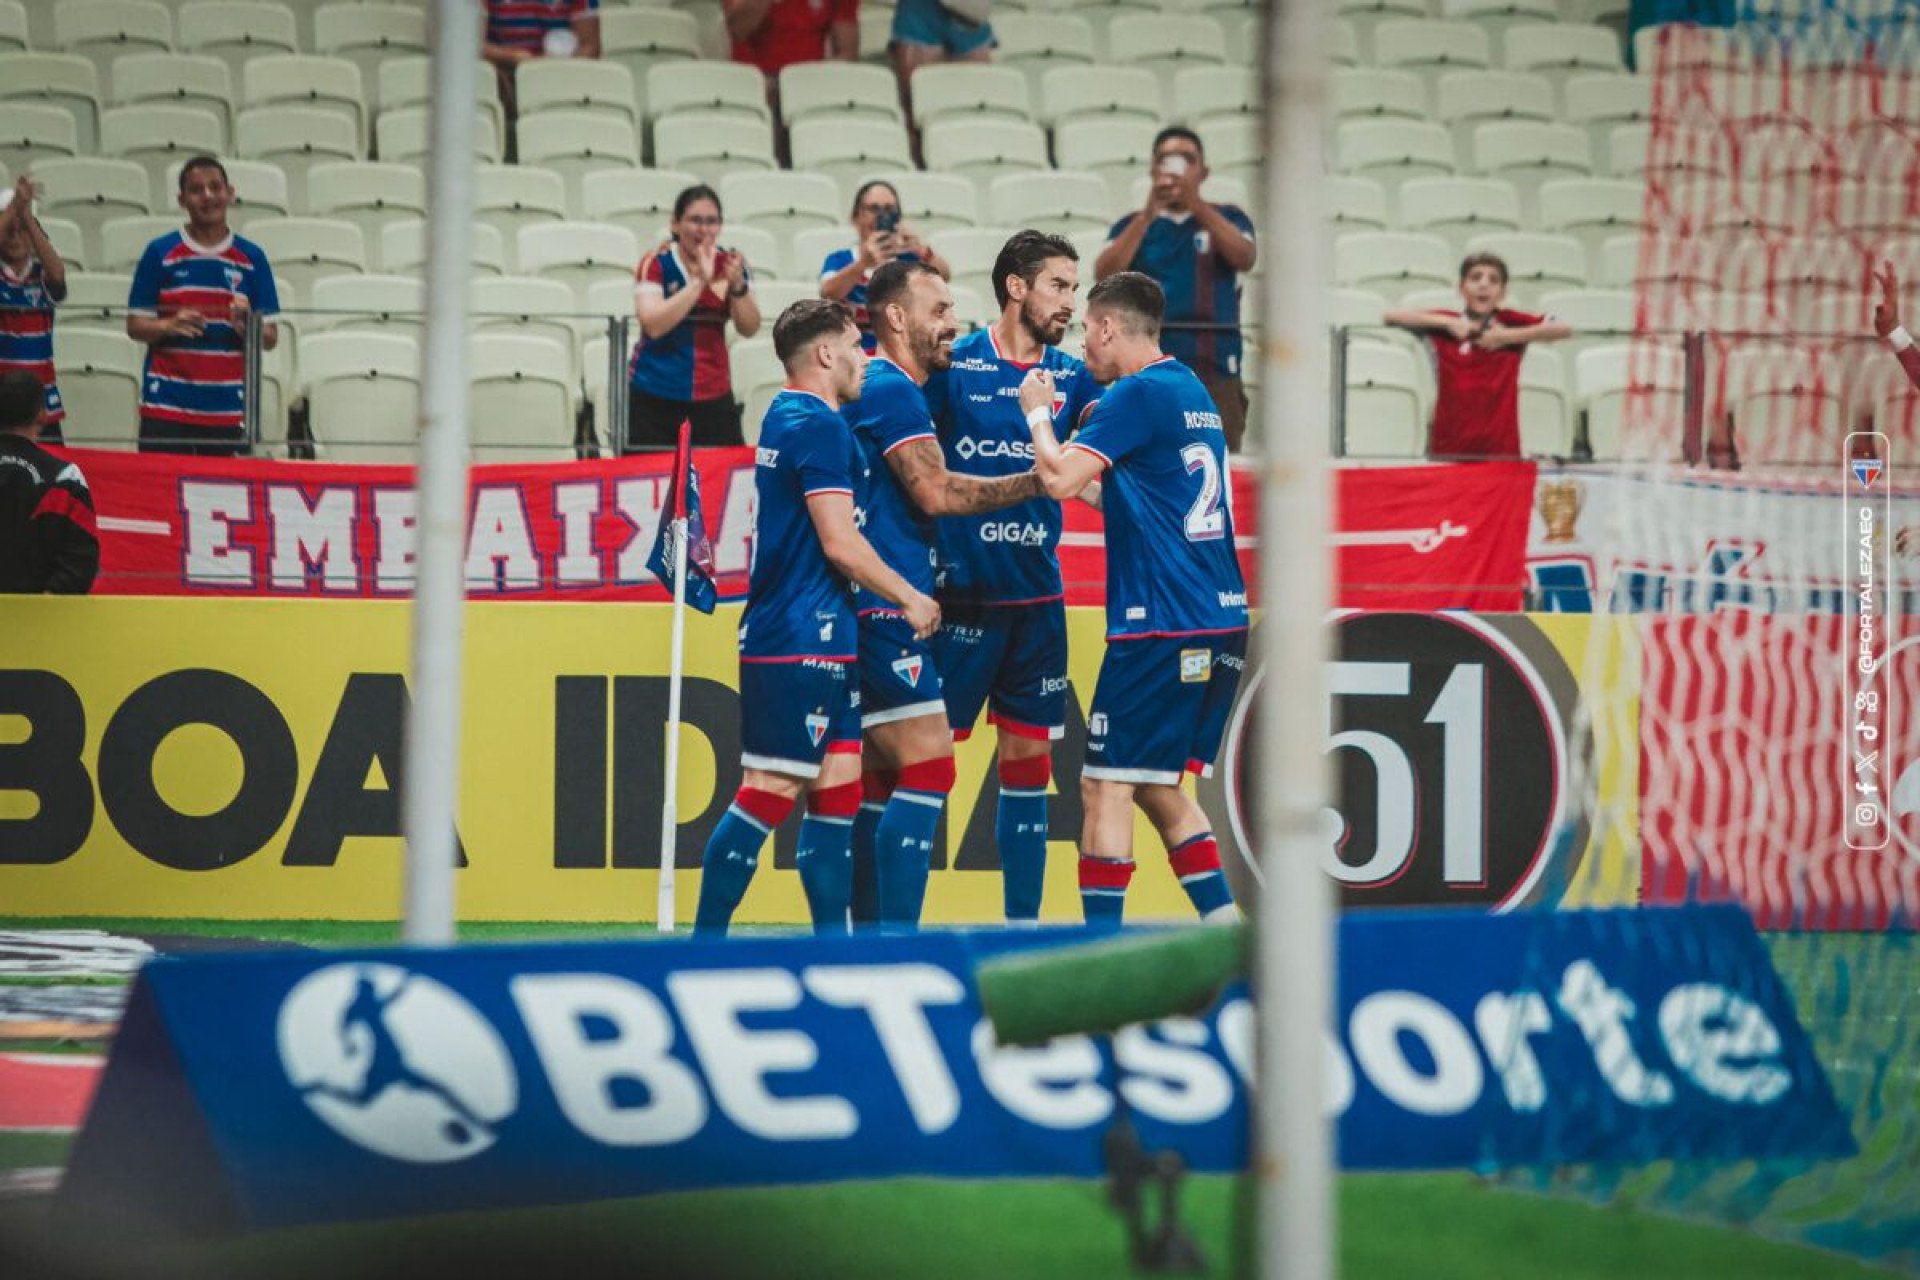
(922, 471)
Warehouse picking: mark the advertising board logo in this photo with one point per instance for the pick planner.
(395, 1062)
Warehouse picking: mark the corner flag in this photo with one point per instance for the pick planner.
(683, 503)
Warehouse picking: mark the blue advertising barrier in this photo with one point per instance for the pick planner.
(276, 1088)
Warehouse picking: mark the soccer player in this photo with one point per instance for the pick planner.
(33, 277)
(1004, 645)
(1176, 605)
(189, 303)
(799, 709)
(902, 712)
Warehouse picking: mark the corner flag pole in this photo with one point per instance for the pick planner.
(670, 805)
(430, 793)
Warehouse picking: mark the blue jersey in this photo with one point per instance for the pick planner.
(891, 412)
(26, 330)
(798, 605)
(201, 381)
(1009, 556)
(1171, 569)
(1202, 290)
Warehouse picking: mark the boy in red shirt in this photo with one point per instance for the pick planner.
(1477, 353)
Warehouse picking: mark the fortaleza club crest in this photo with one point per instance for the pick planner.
(1866, 471)
(816, 727)
(908, 669)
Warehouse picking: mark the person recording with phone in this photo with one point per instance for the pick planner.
(1196, 251)
(883, 238)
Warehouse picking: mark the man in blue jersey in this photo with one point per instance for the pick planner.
(799, 708)
(1004, 645)
(192, 293)
(902, 711)
(1176, 604)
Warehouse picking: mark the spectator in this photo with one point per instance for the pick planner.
(927, 31)
(1196, 251)
(521, 29)
(32, 280)
(191, 296)
(1477, 353)
(685, 293)
(47, 538)
(772, 34)
(883, 238)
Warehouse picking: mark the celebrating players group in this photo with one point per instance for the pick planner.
(906, 574)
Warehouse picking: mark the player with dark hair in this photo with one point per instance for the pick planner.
(48, 542)
(904, 715)
(799, 708)
(1005, 643)
(1176, 604)
(191, 296)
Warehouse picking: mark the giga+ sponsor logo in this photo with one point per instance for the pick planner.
(1014, 533)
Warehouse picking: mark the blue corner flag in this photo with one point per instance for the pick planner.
(683, 499)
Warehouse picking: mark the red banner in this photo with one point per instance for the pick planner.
(1420, 537)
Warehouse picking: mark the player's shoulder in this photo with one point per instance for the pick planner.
(974, 353)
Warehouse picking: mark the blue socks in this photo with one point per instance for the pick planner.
(826, 855)
(1103, 890)
(733, 854)
(1020, 830)
(903, 843)
(1196, 861)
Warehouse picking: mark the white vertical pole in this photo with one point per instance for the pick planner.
(1294, 916)
(670, 808)
(431, 793)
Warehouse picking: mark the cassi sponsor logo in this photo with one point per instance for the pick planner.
(1014, 533)
(403, 1066)
(969, 448)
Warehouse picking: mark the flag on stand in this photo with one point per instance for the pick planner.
(683, 500)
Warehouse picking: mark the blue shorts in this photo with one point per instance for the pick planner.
(1012, 660)
(792, 713)
(899, 678)
(930, 23)
(1161, 707)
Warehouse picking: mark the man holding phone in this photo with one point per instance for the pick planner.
(1196, 251)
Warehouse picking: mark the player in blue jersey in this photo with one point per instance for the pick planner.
(908, 483)
(799, 708)
(1176, 604)
(1004, 645)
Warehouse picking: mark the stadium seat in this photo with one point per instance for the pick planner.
(1391, 151)
(1349, 308)
(876, 32)
(1430, 47)
(123, 240)
(401, 136)
(370, 195)
(403, 249)
(181, 79)
(838, 89)
(1072, 93)
(1614, 381)
(984, 150)
(641, 196)
(303, 250)
(1601, 103)
(100, 385)
(1561, 50)
(611, 298)
(67, 241)
(1362, 16)
(712, 88)
(1233, 147)
(369, 34)
(1591, 210)
(1465, 100)
(1358, 93)
(508, 197)
(576, 143)
(971, 252)
(1343, 40)
(296, 139)
(522, 397)
(1165, 43)
(363, 303)
(578, 253)
(932, 202)
(1060, 202)
(102, 30)
(1202, 94)
(764, 255)
(576, 87)
(638, 38)
(1596, 315)
(96, 298)
(259, 190)
(713, 146)
(847, 148)
(815, 247)
(1536, 263)
(89, 192)
(782, 203)
(1787, 405)
(1546, 410)
(974, 91)
(1354, 204)
(155, 136)
(1384, 413)
(13, 26)
(757, 379)
(776, 296)
(1457, 209)
(1392, 262)
(363, 395)
(313, 83)
(543, 308)
(59, 80)
(1118, 150)
(1039, 44)
(1627, 151)
(33, 131)
(408, 82)
(1870, 210)
(235, 31)
(1498, 16)
(1528, 154)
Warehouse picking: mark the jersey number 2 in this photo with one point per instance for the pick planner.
(1205, 520)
